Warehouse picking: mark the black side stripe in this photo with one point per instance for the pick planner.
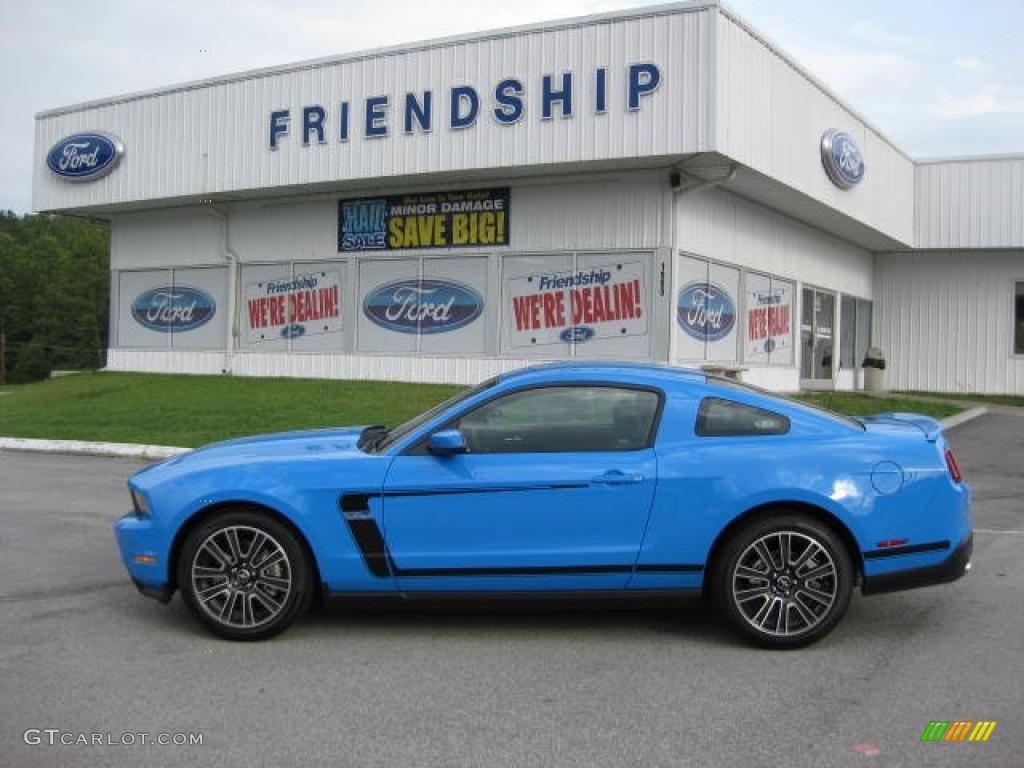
(466, 491)
(670, 568)
(914, 549)
(535, 570)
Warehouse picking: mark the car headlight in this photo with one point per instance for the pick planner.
(140, 503)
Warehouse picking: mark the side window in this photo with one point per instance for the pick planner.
(562, 419)
(724, 418)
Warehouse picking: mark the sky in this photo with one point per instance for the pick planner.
(939, 78)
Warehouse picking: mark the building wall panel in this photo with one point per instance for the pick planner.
(944, 320)
(970, 203)
(771, 117)
(724, 227)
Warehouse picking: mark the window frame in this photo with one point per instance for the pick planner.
(1017, 319)
(419, 447)
(700, 428)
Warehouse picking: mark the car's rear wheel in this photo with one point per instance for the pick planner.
(244, 575)
(783, 581)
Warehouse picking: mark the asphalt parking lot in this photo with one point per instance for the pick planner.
(83, 656)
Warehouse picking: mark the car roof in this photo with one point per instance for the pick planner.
(605, 370)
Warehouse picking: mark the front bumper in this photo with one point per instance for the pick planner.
(162, 593)
(950, 569)
(144, 552)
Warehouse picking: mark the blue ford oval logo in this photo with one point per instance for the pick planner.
(705, 311)
(85, 156)
(577, 333)
(842, 159)
(173, 308)
(423, 306)
(293, 331)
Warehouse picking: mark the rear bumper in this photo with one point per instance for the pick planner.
(950, 569)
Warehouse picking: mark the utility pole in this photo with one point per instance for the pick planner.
(3, 358)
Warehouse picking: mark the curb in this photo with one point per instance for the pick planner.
(151, 452)
(963, 418)
(82, 447)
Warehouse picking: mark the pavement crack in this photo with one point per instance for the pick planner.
(46, 594)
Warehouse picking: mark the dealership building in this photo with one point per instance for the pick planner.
(661, 184)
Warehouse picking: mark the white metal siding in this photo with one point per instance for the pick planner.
(213, 138)
(944, 320)
(426, 370)
(623, 211)
(771, 117)
(166, 239)
(969, 203)
(721, 226)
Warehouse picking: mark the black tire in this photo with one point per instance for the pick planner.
(244, 575)
(783, 581)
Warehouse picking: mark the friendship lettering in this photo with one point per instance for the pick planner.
(508, 105)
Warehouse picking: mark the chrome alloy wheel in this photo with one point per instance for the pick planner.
(241, 577)
(784, 584)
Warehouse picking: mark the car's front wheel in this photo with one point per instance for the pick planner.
(244, 575)
(783, 581)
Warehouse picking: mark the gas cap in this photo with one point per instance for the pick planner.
(887, 477)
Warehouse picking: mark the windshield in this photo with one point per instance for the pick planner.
(385, 438)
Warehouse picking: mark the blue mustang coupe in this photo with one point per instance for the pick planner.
(589, 479)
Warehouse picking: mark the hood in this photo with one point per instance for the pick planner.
(279, 446)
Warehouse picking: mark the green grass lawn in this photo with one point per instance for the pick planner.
(1014, 400)
(194, 410)
(854, 404)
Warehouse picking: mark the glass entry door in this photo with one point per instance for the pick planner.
(817, 331)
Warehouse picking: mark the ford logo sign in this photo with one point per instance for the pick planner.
(577, 333)
(173, 308)
(85, 156)
(705, 311)
(293, 331)
(423, 306)
(842, 159)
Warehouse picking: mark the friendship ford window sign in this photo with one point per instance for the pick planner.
(436, 220)
(423, 306)
(601, 302)
(290, 308)
(85, 156)
(461, 107)
(842, 159)
(173, 308)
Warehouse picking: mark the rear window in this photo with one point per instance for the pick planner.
(724, 418)
(789, 402)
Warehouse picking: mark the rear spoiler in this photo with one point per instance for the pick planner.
(931, 428)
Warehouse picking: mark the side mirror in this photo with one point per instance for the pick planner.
(447, 442)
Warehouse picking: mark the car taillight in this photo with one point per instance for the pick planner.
(954, 468)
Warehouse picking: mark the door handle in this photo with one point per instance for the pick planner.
(617, 477)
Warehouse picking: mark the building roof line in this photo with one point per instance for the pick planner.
(685, 6)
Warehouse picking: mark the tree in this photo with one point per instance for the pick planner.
(54, 293)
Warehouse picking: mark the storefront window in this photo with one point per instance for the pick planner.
(855, 333)
(817, 335)
(1018, 318)
(706, 311)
